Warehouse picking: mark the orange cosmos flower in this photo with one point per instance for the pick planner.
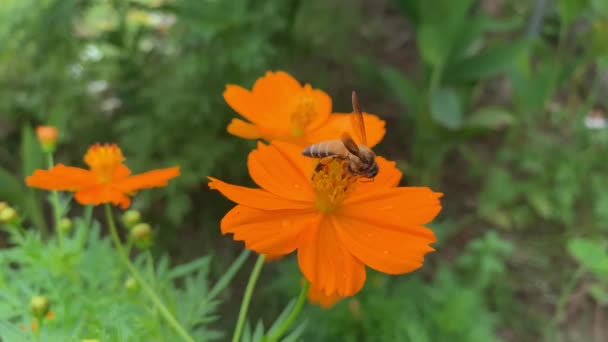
(108, 180)
(336, 223)
(279, 108)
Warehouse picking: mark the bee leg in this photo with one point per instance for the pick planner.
(322, 162)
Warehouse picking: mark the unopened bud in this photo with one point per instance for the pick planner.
(47, 136)
(65, 225)
(142, 235)
(131, 284)
(131, 217)
(3, 205)
(40, 306)
(8, 215)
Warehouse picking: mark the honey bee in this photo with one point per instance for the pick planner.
(360, 159)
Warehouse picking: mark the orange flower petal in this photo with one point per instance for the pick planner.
(396, 207)
(61, 177)
(268, 232)
(317, 296)
(255, 198)
(245, 103)
(328, 265)
(150, 179)
(102, 193)
(385, 250)
(339, 123)
(243, 129)
(274, 171)
(388, 176)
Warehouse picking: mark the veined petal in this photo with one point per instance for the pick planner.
(317, 296)
(243, 129)
(102, 193)
(339, 123)
(388, 176)
(275, 232)
(150, 179)
(274, 92)
(61, 177)
(328, 265)
(385, 250)
(275, 172)
(396, 207)
(256, 198)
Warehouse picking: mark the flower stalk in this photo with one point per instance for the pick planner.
(167, 315)
(253, 278)
(293, 315)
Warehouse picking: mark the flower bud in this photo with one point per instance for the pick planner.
(40, 306)
(131, 217)
(8, 215)
(47, 136)
(141, 234)
(65, 225)
(131, 285)
(3, 205)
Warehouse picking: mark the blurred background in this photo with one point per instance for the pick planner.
(500, 104)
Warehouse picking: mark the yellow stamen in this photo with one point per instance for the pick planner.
(332, 184)
(103, 160)
(304, 112)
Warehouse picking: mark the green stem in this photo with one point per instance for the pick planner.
(563, 298)
(141, 281)
(150, 263)
(55, 203)
(293, 315)
(253, 278)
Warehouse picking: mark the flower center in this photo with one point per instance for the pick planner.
(103, 160)
(332, 183)
(304, 111)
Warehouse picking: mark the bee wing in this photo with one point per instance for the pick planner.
(350, 144)
(357, 120)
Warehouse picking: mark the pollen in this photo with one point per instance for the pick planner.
(103, 160)
(304, 112)
(332, 184)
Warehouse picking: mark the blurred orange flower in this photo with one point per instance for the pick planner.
(280, 108)
(337, 224)
(108, 180)
(47, 136)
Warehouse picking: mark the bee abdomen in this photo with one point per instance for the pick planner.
(320, 150)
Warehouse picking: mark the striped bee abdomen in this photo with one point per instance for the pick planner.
(326, 149)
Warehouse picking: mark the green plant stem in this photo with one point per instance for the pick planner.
(253, 278)
(293, 315)
(563, 298)
(141, 281)
(150, 262)
(55, 203)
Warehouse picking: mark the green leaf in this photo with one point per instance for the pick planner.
(599, 292)
(401, 87)
(591, 254)
(10, 332)
(446, 108)
(433, 44)
(31, 154)
(487, 63)
(188, 268)
(490, 118)
(600, 7)
(11, 189)
(570, 9)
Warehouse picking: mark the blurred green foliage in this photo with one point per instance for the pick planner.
(496, 112)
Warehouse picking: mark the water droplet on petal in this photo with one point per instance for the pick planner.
(386, 252)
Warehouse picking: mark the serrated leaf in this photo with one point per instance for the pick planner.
(446, 108)
(590, 254)
(188, 268)
(490, 118)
